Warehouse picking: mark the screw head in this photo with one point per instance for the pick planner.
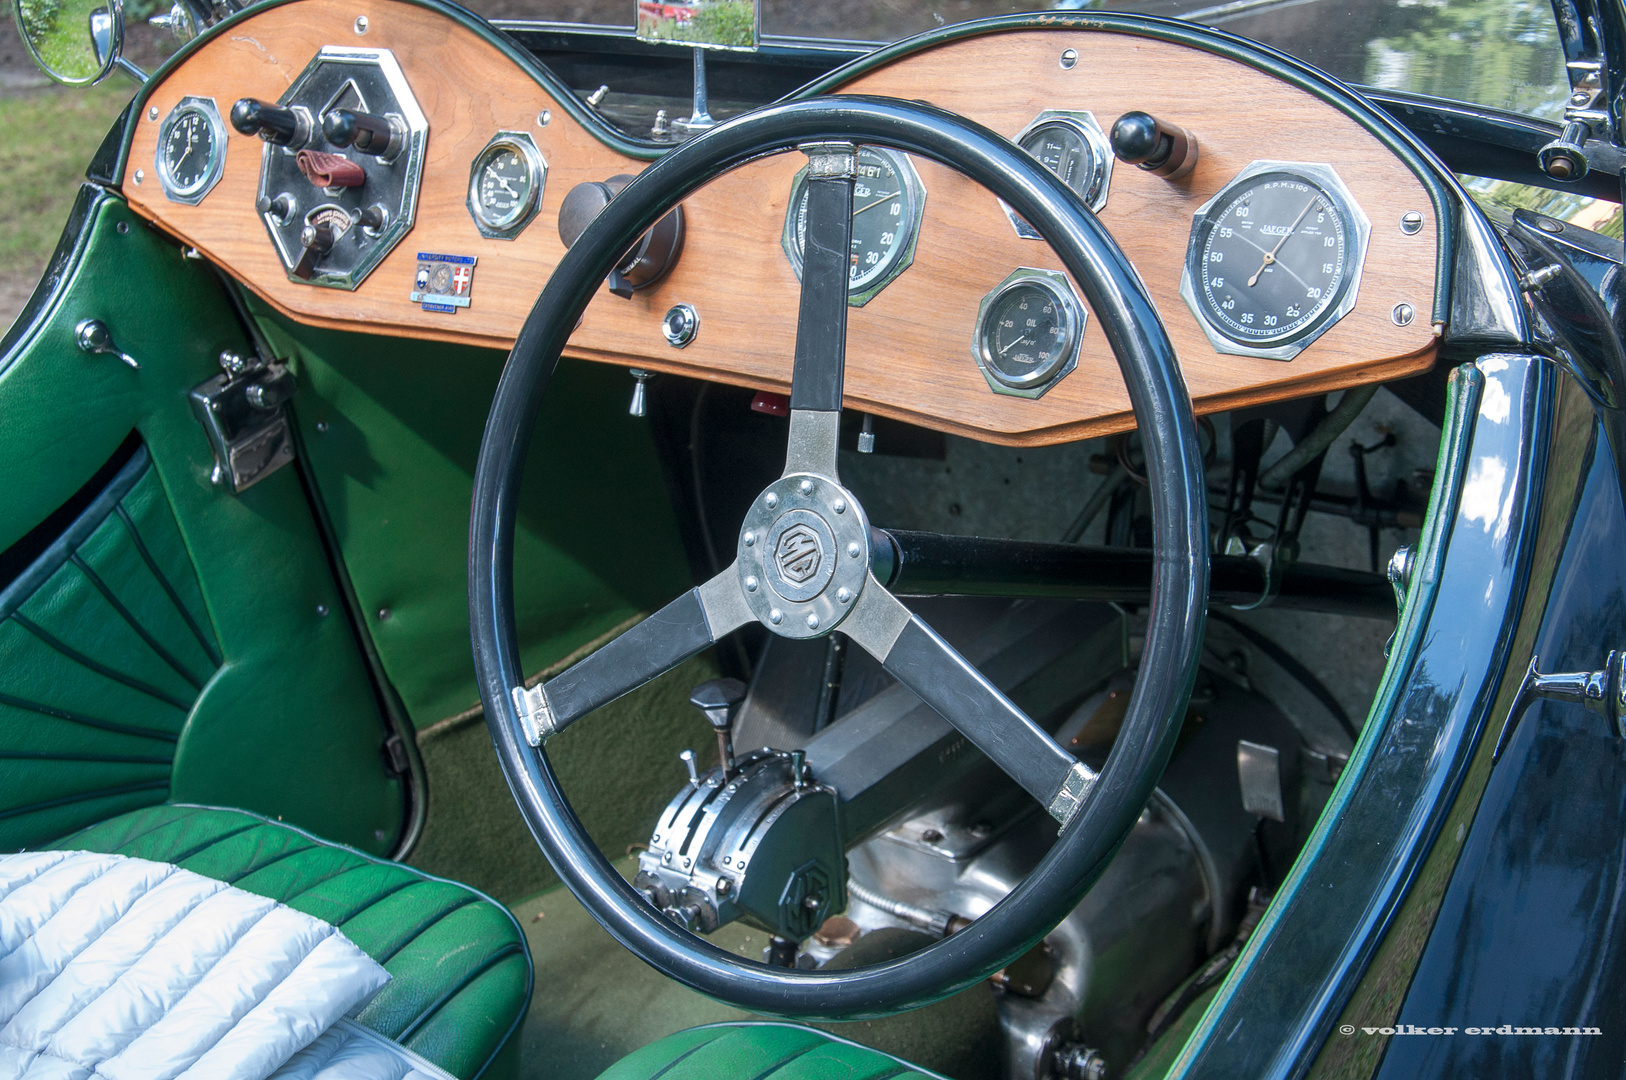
(321, 611)
(140, 176)
(770, 500)
(1402, 314)
(853, 550)
(839, 506)
(1411, 223)
(384, 613)
(361, 24)
(152, 112)
(321, 427)
(751, 584)
(1549, 225)
(1069, 59)
(844, 595)
(776, 616)
(544, 118)
(750, 539)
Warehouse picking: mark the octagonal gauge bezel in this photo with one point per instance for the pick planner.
(522, 144)
(916, 191)
(1061, 287)
(217, 166)
(1082, 121)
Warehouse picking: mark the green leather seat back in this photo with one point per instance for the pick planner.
(760, 1051)
(461, 974)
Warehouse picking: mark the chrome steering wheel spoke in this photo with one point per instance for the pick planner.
(919, 658)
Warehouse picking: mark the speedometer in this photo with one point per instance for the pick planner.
(1275, 259)
(888, 204)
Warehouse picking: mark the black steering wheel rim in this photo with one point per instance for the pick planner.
(1163, 411)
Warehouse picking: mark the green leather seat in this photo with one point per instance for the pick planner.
(461, 974)
(760, 1051)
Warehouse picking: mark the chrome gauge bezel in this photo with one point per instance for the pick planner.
(1084, 123)
(194, 193)
(1358, 231)
(511, 224)
(914, 214)
(1057, 285)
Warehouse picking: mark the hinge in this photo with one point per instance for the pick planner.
(535, 715)
(395, 753)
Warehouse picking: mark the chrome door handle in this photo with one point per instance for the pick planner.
(1602, 692)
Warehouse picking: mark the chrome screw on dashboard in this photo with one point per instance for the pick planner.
(1403, 314)
(866, 435)
(361, 24)
(152, 112)
(1069, 59)
(544, 118)
(1411, 223)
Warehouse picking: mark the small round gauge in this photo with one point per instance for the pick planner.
(1072, 146)
(191, 150)
(888, 203)
(1028, 332)
(505, 185)
(1274, 258)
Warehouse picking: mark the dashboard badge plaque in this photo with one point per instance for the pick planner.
(443, 283)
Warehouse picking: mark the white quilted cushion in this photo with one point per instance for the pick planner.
(348, 1051)
(126, 969)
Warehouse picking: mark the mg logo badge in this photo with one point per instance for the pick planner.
(797, 555)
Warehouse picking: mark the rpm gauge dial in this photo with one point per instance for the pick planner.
(888, 204)
(191, 150)
(1275, 258)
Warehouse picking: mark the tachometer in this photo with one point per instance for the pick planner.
(888, 204)
(1275, 259)
(191, 150)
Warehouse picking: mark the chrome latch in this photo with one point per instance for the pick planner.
(241, 412)
(535, 714)
(1602, 692)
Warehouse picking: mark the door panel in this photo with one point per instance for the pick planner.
(217, 645)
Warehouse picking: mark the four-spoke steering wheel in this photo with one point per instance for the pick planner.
(803, 559)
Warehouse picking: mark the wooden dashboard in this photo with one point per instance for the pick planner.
(908, 353)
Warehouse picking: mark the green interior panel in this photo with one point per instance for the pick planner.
(280, 718)
(393, 430)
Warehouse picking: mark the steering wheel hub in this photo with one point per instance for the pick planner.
(803, 555)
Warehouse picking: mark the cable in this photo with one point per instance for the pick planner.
(1285, 660)
(1315, 444)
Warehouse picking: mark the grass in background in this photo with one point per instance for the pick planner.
(47, 138)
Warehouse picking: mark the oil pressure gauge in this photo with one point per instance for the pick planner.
(191, 152)
(506, 183)
(1028, 333)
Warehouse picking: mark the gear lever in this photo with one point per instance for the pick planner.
(719, 700)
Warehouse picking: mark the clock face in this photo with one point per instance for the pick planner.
(191, 150)
(505, 185)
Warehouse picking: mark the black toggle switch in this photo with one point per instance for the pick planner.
(375, 135)
(1162, 149)
(273, 123)
(317, 241)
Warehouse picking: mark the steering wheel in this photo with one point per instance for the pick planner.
(1095, 811)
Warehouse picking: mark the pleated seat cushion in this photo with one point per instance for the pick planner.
(760, 1051)
(460, 971)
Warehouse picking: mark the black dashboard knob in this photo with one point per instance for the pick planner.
(273, 123)
(370, 134)
(1161, 148)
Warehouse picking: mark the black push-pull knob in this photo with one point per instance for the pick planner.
(273, 123)
(317, 240)
(1162, 149)
(370, 134)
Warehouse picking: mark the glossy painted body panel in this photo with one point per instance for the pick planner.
(1528, 933)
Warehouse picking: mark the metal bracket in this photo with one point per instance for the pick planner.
(1602, 692)
(1080, 778)
(241, 412)
(535, 714)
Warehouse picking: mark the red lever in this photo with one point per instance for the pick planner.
(330, 170)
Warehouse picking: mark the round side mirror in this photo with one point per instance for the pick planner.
(76, 42)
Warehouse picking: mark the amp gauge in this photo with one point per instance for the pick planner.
(1073, 146)
(505, 185)
(191, 152)
(1028, 333)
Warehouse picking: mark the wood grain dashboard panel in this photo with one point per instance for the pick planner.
(909, 348)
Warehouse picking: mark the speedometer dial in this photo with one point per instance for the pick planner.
(888, 203)
(1275, 259)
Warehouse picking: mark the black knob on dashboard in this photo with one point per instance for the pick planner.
(647, 261)
(1162, 149)
(376, 135)
(273, 123)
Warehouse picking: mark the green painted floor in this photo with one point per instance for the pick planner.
(595, 1002)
